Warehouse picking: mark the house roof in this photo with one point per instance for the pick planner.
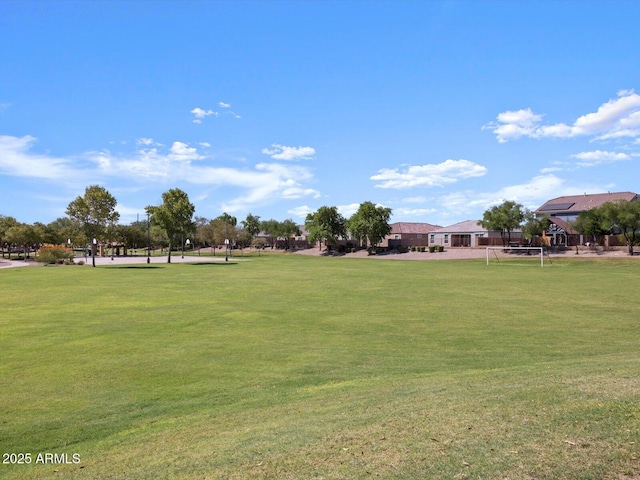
(468, 226)
(410, 227)
(575, 204)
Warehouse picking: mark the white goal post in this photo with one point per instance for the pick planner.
(504, 251)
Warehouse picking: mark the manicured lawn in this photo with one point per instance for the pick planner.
(294, 367)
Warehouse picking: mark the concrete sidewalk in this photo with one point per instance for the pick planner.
(134, 260)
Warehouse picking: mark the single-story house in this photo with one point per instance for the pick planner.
(407, 234)
(467, 234)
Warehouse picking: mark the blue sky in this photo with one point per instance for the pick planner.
(436, 109)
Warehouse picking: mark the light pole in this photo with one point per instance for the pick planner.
(226, 243)
(94, 242)
(187, 243)
(148, 238)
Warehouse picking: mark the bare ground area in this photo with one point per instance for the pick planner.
(462, 253)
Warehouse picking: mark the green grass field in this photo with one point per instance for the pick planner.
(295, 367)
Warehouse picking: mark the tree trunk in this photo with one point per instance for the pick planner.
(169, 256)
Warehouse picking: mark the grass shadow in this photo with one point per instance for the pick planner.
(212, 264)
(136, 266)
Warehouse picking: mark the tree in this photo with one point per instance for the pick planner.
(227, 225)
(272, 228)
(370, 223)
(533, 225)
(95, 211)
(326, 224)
(23, 235)
(251, 226)
(623, 218)
(63, 229)
(504, 218)
(591, 223)
(288, 229)
(174, 216)
(5, 224)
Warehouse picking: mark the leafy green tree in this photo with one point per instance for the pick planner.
(23, 235)
(623, 218)
(326, 224)
(288, 228)
(272, 228)
(503, 218)
(251, 226)
(533, 225)
(63, 229)
(370, 222)
(174, 216)
(5, 224)
(227, 227)
(95, 211)
(591, 223)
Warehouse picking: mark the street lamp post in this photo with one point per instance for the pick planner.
(148, 238)
(226, 242)
(94, 242)
(187, 243)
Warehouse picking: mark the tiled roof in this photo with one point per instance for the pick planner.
(409, 228)
(582, 203)
(468, 226)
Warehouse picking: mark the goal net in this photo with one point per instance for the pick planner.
(516, 255)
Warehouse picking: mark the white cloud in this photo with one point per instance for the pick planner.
(144, 141)
(17, 160)
(181, 151)
(298, 192)
(599, 157)
(616, 118)
(224, 105)
(348, 210)
(282, 152)
(405, 212)
(430, 175)
(414, 200)
(200, 114)
(302, 211)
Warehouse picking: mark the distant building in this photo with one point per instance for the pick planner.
(563, 211)
(407, 234)
(469, 233)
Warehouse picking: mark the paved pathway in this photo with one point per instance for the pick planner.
(137, 260)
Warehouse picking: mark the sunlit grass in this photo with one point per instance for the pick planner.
(298, 367)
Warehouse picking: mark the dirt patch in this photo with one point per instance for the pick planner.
(461, 253)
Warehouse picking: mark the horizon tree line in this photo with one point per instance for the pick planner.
(93, 216)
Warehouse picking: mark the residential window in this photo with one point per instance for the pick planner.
(446, 238)
(433, 238)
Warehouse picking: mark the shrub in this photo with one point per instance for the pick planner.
(432, 248)
(53, 254)
(440, 248)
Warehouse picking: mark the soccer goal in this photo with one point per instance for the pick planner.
(514, 254)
